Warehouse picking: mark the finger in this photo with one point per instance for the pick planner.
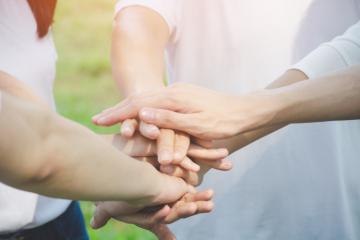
(179, 211)
(100, 218)
(173, 188)
(128, 128)
(149, 130)
(189, 209)
(222, 164)
(182, 143)
(162, 232)
(115, 114)
(165, 146)
(130, 107)
(203, 195)
(196, 151)
(146, 219)
(189, 176)
(203, 143)
(171, 120)
(204, 206)
(189, 165)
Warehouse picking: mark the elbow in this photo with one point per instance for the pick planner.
(43, 166)
(40, 171)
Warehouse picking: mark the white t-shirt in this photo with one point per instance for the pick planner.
(301, 182)
(32, 61)
(342, 52)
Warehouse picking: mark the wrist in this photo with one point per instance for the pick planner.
(259, 109)
(144, 87)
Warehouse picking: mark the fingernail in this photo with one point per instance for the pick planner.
(154, 131)
(224, 152)
(102, 120)
(92, 222)
(94, 118)
(165, 157)
(227, 164)
(126, 131)
(147, 115)
(178, 156)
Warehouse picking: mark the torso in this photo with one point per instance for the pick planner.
(298, 183)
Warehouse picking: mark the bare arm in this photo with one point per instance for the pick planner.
(140, 36)
(45, 153)
(237, 142)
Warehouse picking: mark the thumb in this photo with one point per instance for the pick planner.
(173, 188)
(163, 232)
(100, 218)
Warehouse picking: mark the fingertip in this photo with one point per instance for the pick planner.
(95, 118)
(165, 157)
(190, 165)
(178, 157)
(147, 114)
(103, 120)
(92, 224)
(210, 193)
(227, 164)
(224, 152)
(150, 131)
(127, 132)
(162, 213)
(209, 206)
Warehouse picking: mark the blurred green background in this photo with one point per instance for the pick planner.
(84, 85)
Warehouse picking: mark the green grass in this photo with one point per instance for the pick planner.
(84, 85)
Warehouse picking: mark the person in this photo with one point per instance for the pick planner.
(303, 102)
(59, 158)
(237, 47)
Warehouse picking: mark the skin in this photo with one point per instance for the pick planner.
(139, 39)
(305, 101)
(67, 147)
(252, 125)
(138, 52)
(49, 160)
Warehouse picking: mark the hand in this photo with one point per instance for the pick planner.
(139, 146)
(172, 146)
(196, 178)
(195, 110)
(154, 219)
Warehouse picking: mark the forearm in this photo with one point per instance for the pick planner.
(328, 98)
(139, 40)
(62, 159)
(237, 142)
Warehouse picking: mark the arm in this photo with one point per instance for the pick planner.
(342, 52)
(60, 158)
(328, 98)
(218, 123)
(140, 37)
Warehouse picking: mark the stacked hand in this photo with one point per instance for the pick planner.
(154, 218)
(198, 111)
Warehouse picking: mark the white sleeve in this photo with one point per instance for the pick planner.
(169, 10)
(340, 53)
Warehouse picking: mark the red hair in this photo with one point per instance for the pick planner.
(43, 11)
